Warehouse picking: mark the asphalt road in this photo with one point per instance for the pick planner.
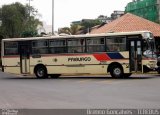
(139, 91)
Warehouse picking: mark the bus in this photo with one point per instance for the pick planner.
(119, 54)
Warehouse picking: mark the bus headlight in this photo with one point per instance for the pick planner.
(152, 64)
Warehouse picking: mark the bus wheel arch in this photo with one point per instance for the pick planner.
(116, 70)
(40, 71)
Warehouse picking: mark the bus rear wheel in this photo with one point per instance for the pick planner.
(41, 72)
(116, 71)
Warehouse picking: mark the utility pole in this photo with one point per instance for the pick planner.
(29, 5)
(1, 17)
(0, 23)
(52, 17)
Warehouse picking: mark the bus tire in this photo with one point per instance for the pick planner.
(116, 71)
(40, 72)
(55, 75)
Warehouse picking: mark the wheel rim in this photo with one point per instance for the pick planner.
(40, 72)
(117, 71)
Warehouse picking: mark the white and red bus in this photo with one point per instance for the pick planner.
(119, 54)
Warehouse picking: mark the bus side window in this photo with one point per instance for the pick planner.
(116, 43)
(40, 47)
(76, 45)
(106, 46)
(57, 46)
(95, 45)
(11, 48)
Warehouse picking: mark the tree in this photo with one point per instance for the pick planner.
(87, 25)
(81, 28)
(73, 30)
(16, 20)
(65, 30)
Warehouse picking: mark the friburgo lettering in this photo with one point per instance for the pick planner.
(79, 59)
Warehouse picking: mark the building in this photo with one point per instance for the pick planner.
(148, 9)
(104, 19)
(130, 22)
(76, 22)
(116, 14)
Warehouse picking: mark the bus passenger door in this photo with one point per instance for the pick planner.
(135, 52)
(24, 59)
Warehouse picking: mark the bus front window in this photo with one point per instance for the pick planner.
(149, 48)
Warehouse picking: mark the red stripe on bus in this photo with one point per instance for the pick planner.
(101, 57)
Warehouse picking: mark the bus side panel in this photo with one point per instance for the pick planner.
(11, 65)
(125, 63)
(96, 69)
(121, 58)
(68, 64)
(80, 63)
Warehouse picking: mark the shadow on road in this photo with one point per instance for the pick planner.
(81, 77)
(84, 77)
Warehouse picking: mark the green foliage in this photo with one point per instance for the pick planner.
(17, 19)
(29, 34)
(89, 24)
(65, 30)
(73, 30)
(83, 27)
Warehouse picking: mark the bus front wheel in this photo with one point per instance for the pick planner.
(116, 71)
(41, 72)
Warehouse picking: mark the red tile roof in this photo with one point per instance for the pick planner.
(127, 23)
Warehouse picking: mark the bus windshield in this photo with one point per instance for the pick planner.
(149, 48)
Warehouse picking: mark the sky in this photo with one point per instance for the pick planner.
(67, 11)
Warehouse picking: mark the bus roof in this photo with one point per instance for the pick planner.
(76, 36)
